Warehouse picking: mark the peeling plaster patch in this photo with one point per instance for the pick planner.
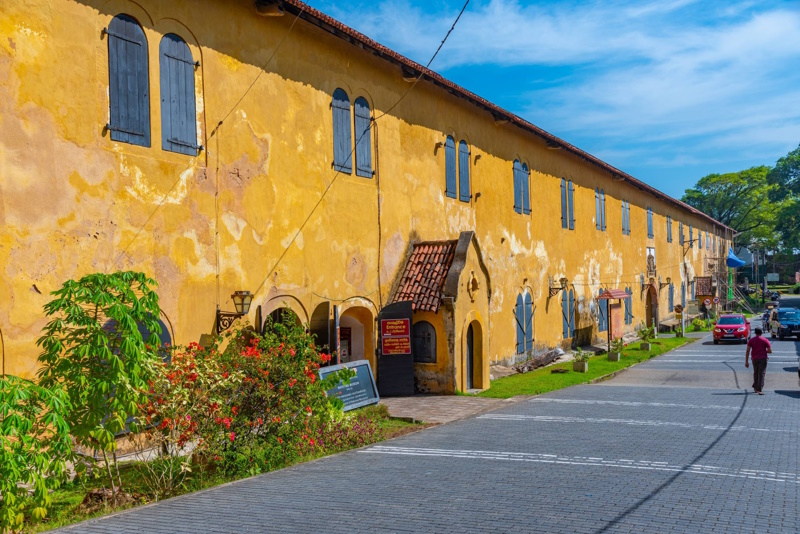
(234, 224)
(299, 142)
(356, 273)
(318, 136)
(144, 192)
(393, 254)
(257, 237)
(202, 268)
(541, 253)
(232, 259)
(517, 246)
(288, 241)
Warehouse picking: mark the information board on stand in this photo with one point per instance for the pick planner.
(361, 391)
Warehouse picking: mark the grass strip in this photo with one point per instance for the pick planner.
(544, 380)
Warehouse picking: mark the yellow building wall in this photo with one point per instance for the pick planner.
(289, 227)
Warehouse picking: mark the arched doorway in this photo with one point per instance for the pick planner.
(356, 335)
(473, 361)
(651, 310)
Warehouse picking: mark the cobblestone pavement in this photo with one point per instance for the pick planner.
(440, 408)
(691, 450)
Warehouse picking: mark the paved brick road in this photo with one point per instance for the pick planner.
(676, 444)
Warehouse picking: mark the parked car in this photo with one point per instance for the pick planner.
(787, 325)
(732, 327)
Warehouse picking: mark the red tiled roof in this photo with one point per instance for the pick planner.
(360, 40)
(425, 273)
(611, 294)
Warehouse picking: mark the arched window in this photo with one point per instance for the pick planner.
(522, 198)
(128, 82)
(178, 119)
(424, 342)
(463, 172)
(450, 167)
(161, 338)
(523, 321)
(519, 323)
(363, 138)
(342, 142)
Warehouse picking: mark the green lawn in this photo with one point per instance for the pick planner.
(543, 380)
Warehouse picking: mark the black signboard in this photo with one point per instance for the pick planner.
(361, 390)
(396, 364)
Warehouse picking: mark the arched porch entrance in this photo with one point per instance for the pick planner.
(356, 333)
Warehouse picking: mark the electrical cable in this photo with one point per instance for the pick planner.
(350, 156)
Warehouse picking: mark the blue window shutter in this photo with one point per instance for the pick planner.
(342, 143)
(450, 167)
(528, 322)
(519, 320)
(463, 172)
(649, 222)
(525, 177)
(691, 236)
(602, 210)
(597, 223)
(602, 316)
(565, 313)
(564, 220)
(363, 137)
(571, 313)
(570, 191)
(128, 82)
(178, 118)
(623, 218)
(683, 294)
(671, 298)
(517, 186)
(628, 215)
(680, 233)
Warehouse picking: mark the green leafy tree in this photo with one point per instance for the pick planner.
(785, 176)
(93, 348)
(743, 200)
(34, 448)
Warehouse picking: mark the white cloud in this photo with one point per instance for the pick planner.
(699, 80)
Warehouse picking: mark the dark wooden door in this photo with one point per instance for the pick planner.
(469, 357)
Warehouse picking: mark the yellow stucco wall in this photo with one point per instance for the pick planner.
(73, 202)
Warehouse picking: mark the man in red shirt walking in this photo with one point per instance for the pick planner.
(759, 347)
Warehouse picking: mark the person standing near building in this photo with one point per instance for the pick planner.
(759, 347)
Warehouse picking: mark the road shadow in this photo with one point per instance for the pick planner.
(644, 500)
(788, 393)
(791, 369)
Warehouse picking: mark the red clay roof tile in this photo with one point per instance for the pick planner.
(424, 275)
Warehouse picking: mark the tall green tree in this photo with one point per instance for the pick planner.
(745, 200)
(785, 177)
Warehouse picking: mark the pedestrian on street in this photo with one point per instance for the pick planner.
(759, 347)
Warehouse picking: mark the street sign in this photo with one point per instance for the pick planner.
(716, 300)
(707, 302)
(361, 390)
(678, 308)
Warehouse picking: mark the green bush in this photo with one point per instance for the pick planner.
(93, 348)
(34, 448)
(796, 289)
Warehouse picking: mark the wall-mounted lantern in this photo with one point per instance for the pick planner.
(554, 290)
(662, 285)
(241, 300)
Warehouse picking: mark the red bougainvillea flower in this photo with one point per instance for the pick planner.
(280, 440)
(308, 409)
(233, 436)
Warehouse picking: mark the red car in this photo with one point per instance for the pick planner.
(733, 327)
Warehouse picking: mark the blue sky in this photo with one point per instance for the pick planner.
(666, 90)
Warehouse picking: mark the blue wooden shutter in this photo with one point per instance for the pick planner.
(528, 322)
(450, 167)
(628, 215)
(463, 172)
(565, 314)
(517, 186)
(602, 210)
(342, 144)
(671, 297)
(519, 320)
(691, 236)
(683, 294)
(649, 222)
(570, 191)
(571, 313)
(128, 82)
(623, 218)
(525, 177)
(602, 316)
(363, 137)
(564, 221)
(597, 222)
(178, 118)
(680, 233)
